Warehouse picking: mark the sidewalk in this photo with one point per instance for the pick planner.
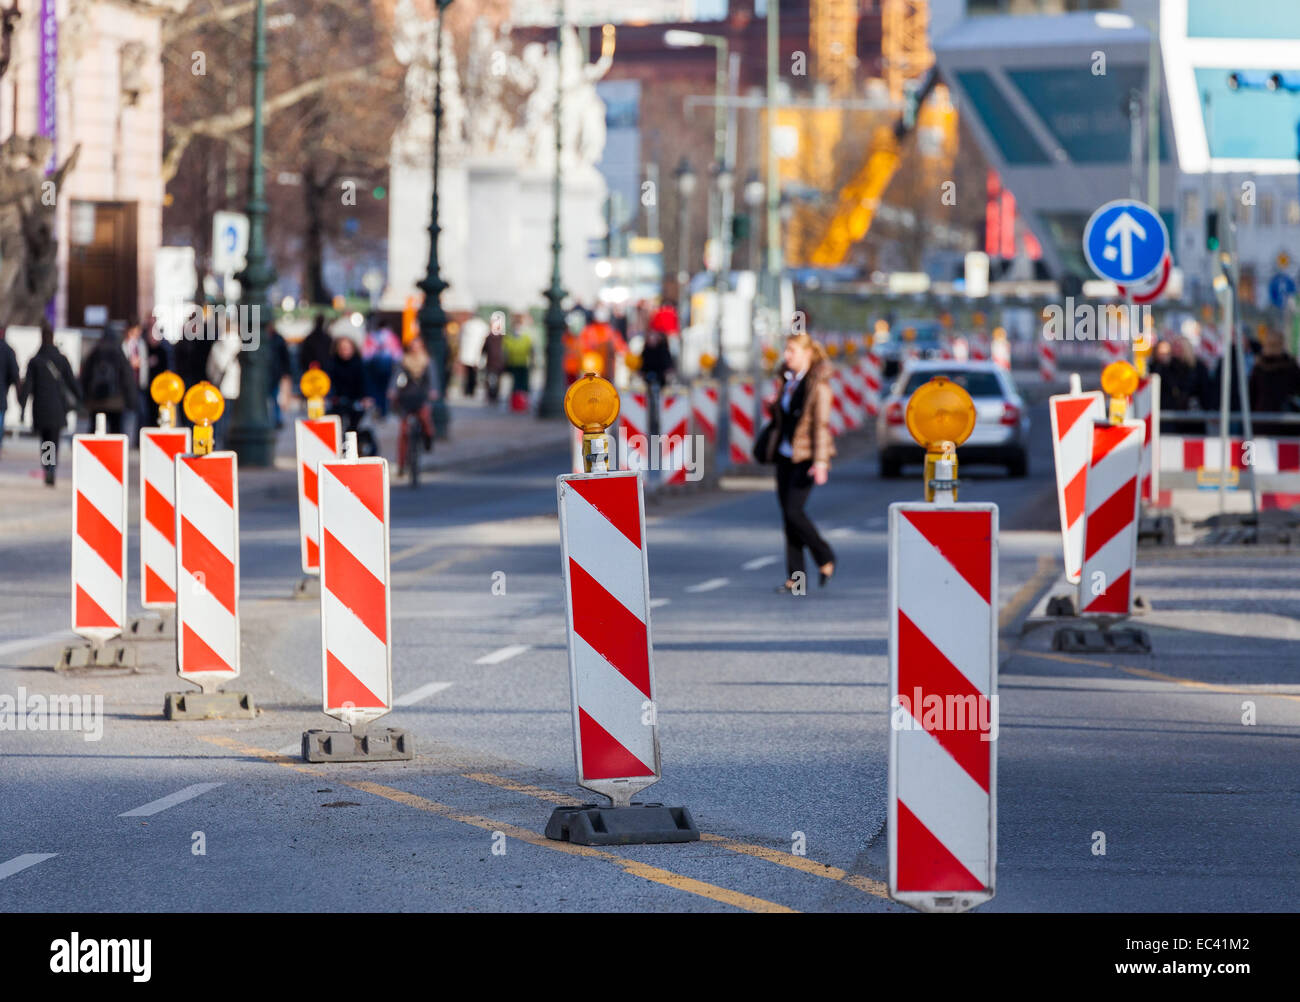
(479, 434)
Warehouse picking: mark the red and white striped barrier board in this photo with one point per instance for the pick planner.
(99, 474)
(207, 569)
(980, 348)
(634, 430)
(1209, 347)
(1112, 350)
(960, 349)
(355, 606)
(1110, 527)
(839, 422)
(1146, 408)
(317, 439)
(575, 453)
(943, 638)
(1189, 453)
(742, 407)
(855, 404)
(159, 448)
(674, 430)
(869, 374)
(1072, 419)
(607, 599)
(704, 409)
(1047, 362)
(1001, 353)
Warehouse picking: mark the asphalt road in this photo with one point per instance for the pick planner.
(772, 714)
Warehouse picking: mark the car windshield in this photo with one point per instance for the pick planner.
(977, 384)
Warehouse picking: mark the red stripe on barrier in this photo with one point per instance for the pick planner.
(1239, 454)
(609, 628)
(1193, 453)
(99, 533)
(1105, 437)
(616, 499)
(602, 756)
(964, 538)
(1288, 457)
(924, 863)
(309, 484)
(1076, 493)
(204, 561)
(198, 655)
(923, 669)
(156, 589)
(323, 430)
(217, 474)
(366, 482)
(313, 553)
(1111, 517)
(742, 420)
(1068, 413)
(89, 612)
(108, 452)
(1113, 599)
(159, 512)
(348, 580)
(345, 688)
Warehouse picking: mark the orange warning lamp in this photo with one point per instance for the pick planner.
(977, 318)
(1142, 348)
(315, 384)
(999, 333)
(851, 346)
(167, 389)
(940, 416)
(1120, 381)
(832, 350)
(945, 319)
(593, 362)
(707, 362)
(591, 405)
(633, 362)
(770, 355)
(909, 334)
(204, 405)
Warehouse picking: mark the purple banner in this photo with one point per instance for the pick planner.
(47, 78)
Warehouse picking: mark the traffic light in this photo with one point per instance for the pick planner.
(1212, 230)
(739, 227)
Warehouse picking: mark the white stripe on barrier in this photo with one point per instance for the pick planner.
(605, 553)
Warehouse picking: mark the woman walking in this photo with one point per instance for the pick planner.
(802, 447)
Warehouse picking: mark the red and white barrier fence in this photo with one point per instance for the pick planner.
(1073, 415)
(943, 638)
(869, 371)
(1146, 408)
(99, 511)
(1111, 512)
(207, 575)
(356, 610)
(634, 430)
(317, 440)
(607, 599)
(742, 415)
(159, 448)
(1046, 362)
(674, 432)
(704, 409)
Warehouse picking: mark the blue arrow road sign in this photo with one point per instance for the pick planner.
(1281, 287)
(1125, 241)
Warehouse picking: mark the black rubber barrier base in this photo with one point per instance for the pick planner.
(108, 656)
(209, 706)
(639, 824)
(151, 628)
(1125, 640)
(386, 745)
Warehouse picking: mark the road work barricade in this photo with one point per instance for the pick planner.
(1073, 415)
(355, 612)
(943, 589)
(207, 570)
(674, 434)
(742, 416)
(99, 559)
(611, 670)
(317, 438)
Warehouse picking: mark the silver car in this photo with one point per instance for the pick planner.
(1001, 434)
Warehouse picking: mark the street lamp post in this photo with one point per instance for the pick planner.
(552, 403)
(251, 435)
(685, 179)
(432, 317)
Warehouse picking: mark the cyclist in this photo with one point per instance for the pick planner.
(412, 394)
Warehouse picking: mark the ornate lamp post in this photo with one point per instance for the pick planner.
(251, 434)
(552, 403)
(686, 180)
(432, 317)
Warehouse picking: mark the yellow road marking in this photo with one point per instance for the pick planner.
(1157, 676)
(655, 874)
(763, 852)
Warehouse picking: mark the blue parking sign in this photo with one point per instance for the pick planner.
(1125, 241)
